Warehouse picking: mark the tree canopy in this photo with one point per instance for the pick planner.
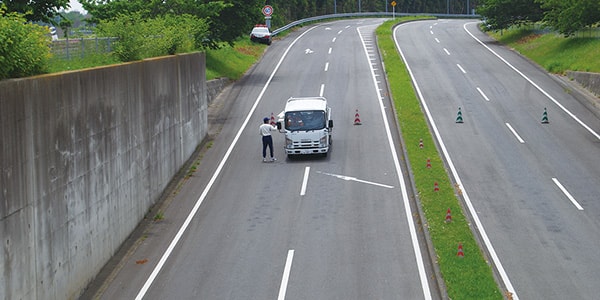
(36, 10)
(228, 19)
(564, 16)
(568, 17)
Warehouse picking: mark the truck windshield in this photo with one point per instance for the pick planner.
(305, 120)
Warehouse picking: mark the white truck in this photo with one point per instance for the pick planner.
(307, 125)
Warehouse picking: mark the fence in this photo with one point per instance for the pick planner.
(79, 48)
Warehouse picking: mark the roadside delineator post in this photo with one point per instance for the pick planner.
(436, 187)
(461, 252)
(421, 143)
(448, 216)
(428, 163)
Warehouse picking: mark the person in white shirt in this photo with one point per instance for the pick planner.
(267, 141)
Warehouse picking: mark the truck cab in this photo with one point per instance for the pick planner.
(307, 125)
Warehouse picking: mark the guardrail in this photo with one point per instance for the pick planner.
(367, 14)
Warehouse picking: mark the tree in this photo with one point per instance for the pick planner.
(138, 38)
(36, 10)
(569, 17)
(502, 14)
(24, 46)
(227, 19)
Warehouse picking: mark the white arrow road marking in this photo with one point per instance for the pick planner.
(348, 178)
(308, 51)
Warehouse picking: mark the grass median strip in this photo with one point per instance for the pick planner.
(465, 277)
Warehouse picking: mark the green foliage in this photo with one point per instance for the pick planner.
(502, 14)
(226, 28)
(24, 47)
(139, 38)
(568, 17)
(469, 277)
(36, 10)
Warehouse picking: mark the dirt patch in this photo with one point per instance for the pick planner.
(529, 38)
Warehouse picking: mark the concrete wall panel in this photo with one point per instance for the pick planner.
(84, 156)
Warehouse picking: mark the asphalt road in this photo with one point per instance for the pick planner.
(533, 188)
(339, 227)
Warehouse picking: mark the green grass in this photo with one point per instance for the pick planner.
(555, 53)
(469, 277)
(232, 62)
(78, 63)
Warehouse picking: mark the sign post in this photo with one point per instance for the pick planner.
(393, 9)
(267, 11)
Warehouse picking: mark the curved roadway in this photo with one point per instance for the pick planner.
(533, 188)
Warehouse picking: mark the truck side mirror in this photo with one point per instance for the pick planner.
(278, 125)
(330, 124)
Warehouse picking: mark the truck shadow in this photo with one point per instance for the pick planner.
(300, 158)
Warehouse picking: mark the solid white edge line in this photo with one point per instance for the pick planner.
(515, 133)
(532, 83)
(304, 181)
(286, 275)
(483, 94)
(189, 218)
(564, 190)
(409, 217)
(472, 211)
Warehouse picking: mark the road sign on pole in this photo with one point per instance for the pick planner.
(267, 10)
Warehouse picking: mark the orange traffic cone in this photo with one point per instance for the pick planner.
(357, 118)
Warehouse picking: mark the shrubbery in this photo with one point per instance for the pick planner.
(24, 47)
(139, 38)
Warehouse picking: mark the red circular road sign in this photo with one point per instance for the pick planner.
(267, 10)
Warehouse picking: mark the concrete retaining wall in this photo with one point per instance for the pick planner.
(83, 156)
(214, 87)
(590, 81)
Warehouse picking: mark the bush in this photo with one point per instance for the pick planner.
(139, 38)
(24, 47)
